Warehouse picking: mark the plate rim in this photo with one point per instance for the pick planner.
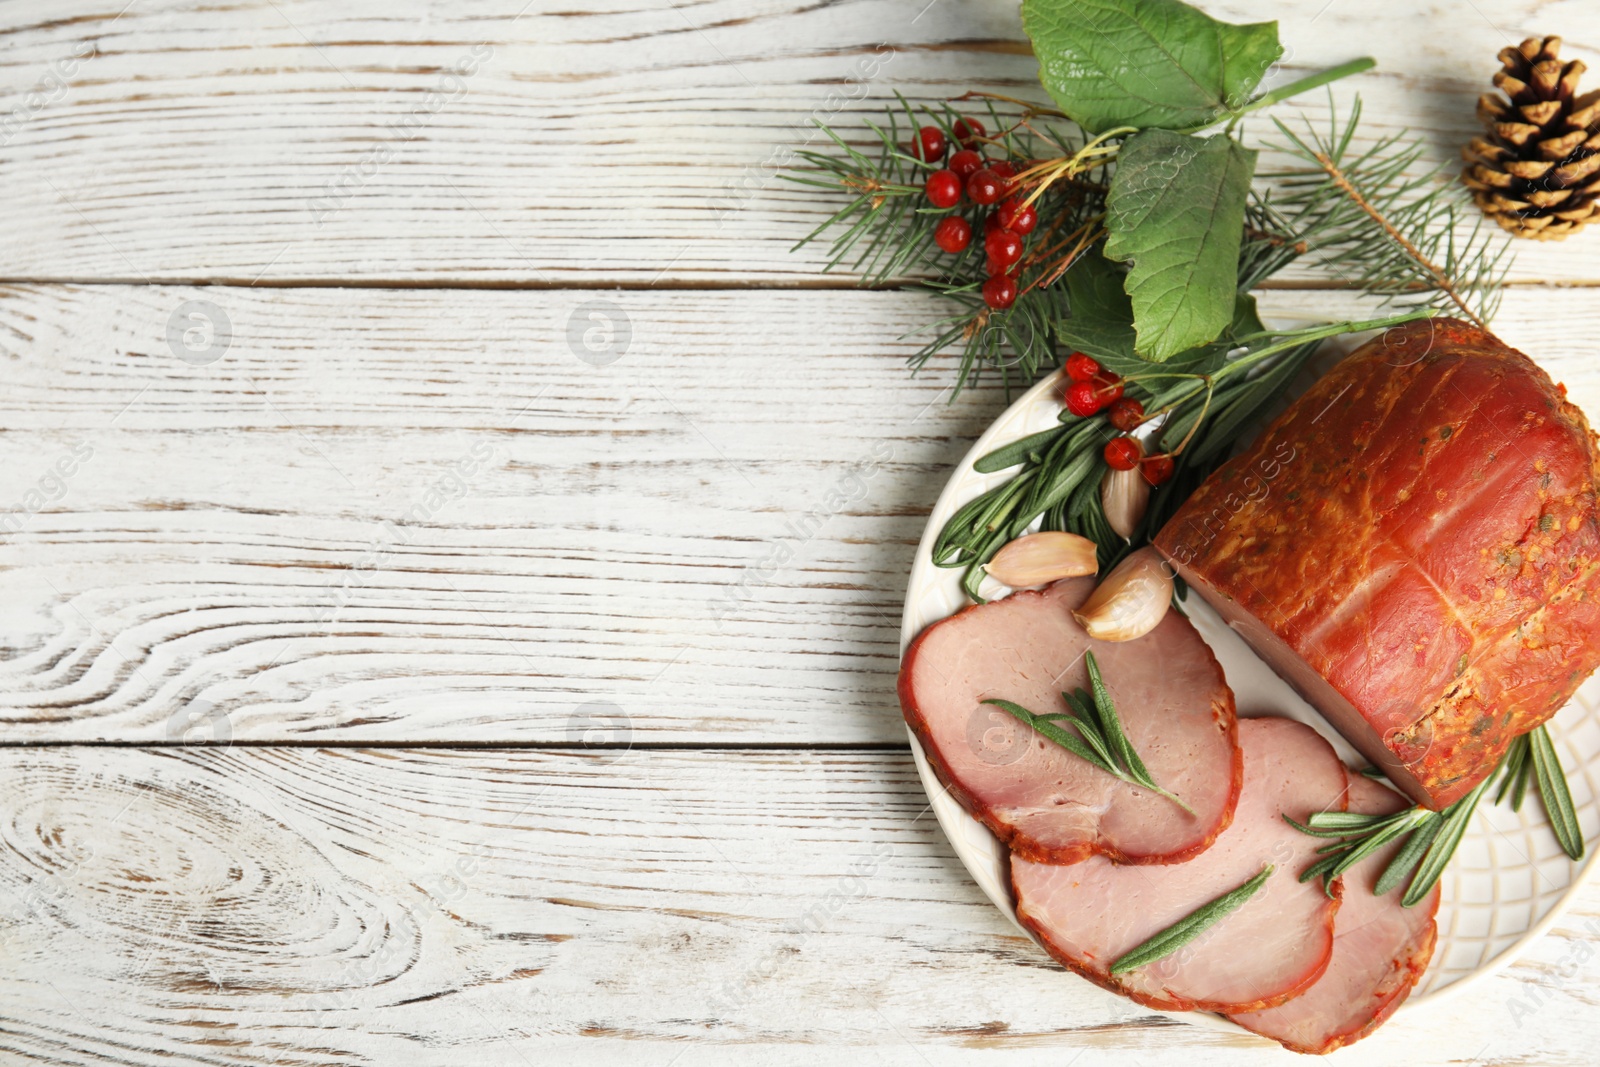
(943, 505)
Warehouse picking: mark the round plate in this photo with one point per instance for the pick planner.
(1509, 880)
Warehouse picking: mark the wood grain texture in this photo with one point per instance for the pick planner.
(398, 907)
(420, 516)
(679, 514)
(286, 141)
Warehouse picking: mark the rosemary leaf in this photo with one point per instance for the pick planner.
(1512, 764)
(1346, 821)
(1405, 861)
(1190, 926)
(1099, 740)
(1018, 451)
(1066, 739)
(1324, 865)
(1111, 724)
(1519, 787)
(1451, 828)
(1553, 791)
(1089, 726)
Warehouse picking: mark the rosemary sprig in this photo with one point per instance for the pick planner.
(1190, 926)
(1058, 486)
(1356, 837)
(1099, 740)
(1554, 793)
(1431, 837)
(1452, 826)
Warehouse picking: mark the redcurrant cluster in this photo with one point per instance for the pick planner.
(1092, 389)
(987, 184)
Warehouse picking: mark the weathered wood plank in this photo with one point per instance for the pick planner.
(428, 512)
(288, 141)
(419, 516)
(423, 907)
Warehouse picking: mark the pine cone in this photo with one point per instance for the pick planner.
(1537, 173)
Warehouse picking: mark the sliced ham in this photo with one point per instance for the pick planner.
(1379, 952)
(1414, 546)
(1046, 803)
(1271, 948)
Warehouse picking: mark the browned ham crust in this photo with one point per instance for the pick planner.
(1414, 546)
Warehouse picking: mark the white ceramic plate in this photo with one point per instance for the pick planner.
(1509, 880)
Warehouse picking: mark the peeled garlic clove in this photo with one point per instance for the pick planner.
(1132, 599)
(1124, 495)
(1042, 558)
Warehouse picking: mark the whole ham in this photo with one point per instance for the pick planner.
(1413, 545)
(1379, 951)
(1271, 948)
(1048, 804)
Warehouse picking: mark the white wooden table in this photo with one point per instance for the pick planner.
(422, 443)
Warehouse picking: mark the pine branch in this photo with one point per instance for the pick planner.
(1445, 284)
(884, 233)
(1369, 217)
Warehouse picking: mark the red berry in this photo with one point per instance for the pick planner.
(1080, 368)
(1123, 453)
(965, 162)
(944, 189)
(968, 131)
(991, 268)
(1157, 469)
(983, 186)
(1005, 172)
(1003, 247)
(1125, 413)
(1016, 217)
(1109, 387)
(991, 222)
(1082, 399)
(953, 234)
(1000, 292)
(929, 145)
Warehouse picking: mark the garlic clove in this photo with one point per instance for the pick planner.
(1042, 558)
(1131, 601)
(1124, 495)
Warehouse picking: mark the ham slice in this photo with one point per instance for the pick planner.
(1413, 545)
(1379, 952)
(1270, 949)
(1046, 803)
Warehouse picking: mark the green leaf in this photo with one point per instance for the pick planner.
(1146, 63)
(1553, 791)
(1176, 213)
(1189, 927)
(1099, 323)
